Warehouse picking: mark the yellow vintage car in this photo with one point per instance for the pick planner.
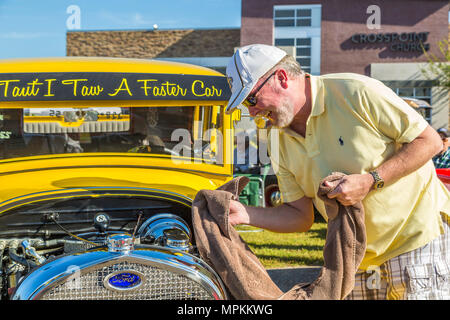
(100, 159)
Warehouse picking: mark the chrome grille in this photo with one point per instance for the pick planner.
(159, 284)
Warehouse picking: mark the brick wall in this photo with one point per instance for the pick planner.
(153, 43)
(340, 19)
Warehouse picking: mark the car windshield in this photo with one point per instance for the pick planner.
(189, 131)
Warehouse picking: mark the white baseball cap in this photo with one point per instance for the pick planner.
(246, 67)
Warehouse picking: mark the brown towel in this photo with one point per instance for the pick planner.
(244, 275)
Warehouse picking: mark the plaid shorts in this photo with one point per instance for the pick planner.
(421, 274)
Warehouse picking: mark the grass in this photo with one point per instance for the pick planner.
(281, 250)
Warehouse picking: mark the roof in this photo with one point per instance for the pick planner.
(100, 64)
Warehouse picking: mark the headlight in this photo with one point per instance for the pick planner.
(167, 230)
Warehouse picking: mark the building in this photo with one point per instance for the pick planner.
(383, 39)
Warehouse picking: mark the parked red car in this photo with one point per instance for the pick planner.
(444, 175)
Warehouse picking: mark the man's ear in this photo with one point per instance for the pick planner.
(282, 77)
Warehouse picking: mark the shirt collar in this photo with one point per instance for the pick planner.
(317, 102)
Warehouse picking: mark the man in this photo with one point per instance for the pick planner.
(352, 124)
(442, 159)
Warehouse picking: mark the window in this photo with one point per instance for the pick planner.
(298, 27)
(284, 42)
(292, 17)
(421, 93)
(302, 50)
(195, 132)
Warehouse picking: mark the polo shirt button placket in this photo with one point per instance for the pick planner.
(310, 143)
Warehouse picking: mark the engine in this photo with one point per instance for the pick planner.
(152, 256)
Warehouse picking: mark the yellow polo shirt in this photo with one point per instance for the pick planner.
(356, 123)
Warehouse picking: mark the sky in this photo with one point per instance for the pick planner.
(31, 28)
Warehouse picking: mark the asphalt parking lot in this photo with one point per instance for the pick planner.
(286, 278)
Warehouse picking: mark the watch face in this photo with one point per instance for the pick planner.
(379, 184)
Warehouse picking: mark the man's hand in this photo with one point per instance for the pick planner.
(238, 213)
(351, 188)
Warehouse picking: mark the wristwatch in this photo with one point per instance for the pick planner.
(379, 182)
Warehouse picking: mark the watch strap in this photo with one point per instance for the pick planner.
(379, 182)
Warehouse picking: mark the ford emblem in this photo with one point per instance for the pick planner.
(123, 280)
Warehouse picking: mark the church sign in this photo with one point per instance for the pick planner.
(401, 42)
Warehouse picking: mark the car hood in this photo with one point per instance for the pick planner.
(25, 178)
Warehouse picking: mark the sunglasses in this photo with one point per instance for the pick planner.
(251, 99)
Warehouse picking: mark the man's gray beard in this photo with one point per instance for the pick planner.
(285, 114)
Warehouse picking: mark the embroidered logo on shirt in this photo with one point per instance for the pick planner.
(341, 141)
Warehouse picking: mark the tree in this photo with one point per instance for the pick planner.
(438, 69)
